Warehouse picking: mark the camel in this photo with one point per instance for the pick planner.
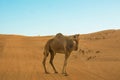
(60, 44)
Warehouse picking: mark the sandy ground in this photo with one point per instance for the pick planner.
(98, 58)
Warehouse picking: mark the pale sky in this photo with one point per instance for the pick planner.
(48, 17)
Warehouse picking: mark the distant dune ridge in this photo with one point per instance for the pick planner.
(98, 58)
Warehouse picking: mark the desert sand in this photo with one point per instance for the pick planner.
(98, 58)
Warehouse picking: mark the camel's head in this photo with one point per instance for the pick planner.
(76, 41)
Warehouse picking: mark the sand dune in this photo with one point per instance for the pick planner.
(98, 58)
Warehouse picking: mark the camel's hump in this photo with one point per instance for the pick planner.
(59, 35)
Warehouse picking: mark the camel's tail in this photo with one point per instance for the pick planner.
(47, 48)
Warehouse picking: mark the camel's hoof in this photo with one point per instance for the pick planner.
(56, 72)
(65, 74)
(47, 73)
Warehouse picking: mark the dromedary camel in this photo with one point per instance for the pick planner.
(60, 44)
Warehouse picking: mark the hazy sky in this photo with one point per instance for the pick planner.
(48, 17)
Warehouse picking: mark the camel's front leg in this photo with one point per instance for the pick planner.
(65, 65)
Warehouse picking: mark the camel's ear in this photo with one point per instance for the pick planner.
(76, 36)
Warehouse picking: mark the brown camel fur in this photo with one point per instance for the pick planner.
(60, 44)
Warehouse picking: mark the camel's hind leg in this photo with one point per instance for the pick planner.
(44, 62)
(51, 61)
